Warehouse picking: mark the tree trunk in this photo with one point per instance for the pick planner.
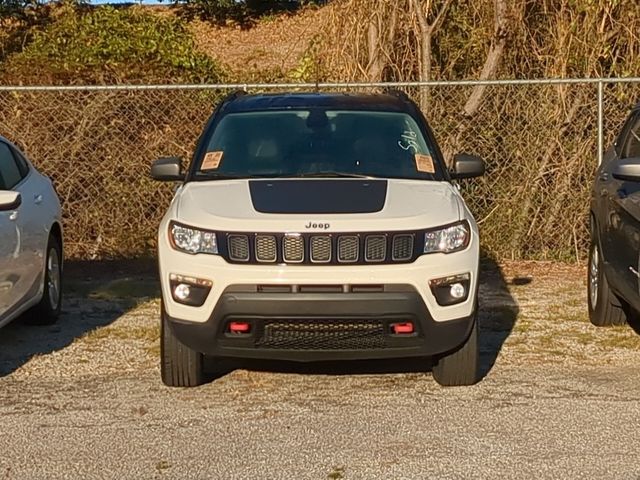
(492, 62)
(426, 32)
(374, 65)
(489, 69)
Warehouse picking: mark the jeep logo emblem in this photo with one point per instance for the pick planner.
(321, 226)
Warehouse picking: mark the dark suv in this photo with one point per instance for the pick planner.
(614, 271)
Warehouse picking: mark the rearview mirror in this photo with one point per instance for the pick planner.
(167, 169)
(9, 200)
(467, 166)
(627, 170)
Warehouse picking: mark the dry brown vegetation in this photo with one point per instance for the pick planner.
(539, 141)
(268, 51)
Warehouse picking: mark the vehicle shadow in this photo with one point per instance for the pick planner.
(96, 293)
(498, 312)
(634, 322)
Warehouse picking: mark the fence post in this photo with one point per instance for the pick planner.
(600, 121)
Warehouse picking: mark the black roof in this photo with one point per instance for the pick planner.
(342, 101)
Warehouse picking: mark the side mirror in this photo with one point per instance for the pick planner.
(9, 200)
(168, 169)
(467, 166)
(627, 170)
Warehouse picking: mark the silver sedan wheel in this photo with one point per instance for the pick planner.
(53, 278)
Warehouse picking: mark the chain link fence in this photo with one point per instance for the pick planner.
(540, 140)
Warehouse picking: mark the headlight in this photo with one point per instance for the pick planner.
(451, 238)
(192, 240)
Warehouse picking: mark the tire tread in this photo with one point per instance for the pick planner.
(460, 367)
(180, 365)
(609, 310)
(42, 313)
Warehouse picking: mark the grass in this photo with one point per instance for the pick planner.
(148, 335)
(617, 338)
(124, 332)
(336, 474)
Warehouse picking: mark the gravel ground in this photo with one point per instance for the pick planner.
(560, 398)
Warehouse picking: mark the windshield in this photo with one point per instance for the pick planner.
(317, 142)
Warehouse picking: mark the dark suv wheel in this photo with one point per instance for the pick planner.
(605, 308)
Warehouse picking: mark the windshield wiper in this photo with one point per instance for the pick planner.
(237, 176)
(220, 176)
(327, 174)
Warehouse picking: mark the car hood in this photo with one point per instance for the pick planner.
(299, 205)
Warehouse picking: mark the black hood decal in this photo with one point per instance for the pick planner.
(318, 196)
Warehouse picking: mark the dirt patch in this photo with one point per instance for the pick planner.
(552, 323)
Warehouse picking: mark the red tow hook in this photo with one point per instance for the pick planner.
(239, 327)
(402, 328)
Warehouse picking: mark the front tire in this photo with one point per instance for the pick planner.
(605, 308)
(180, 365)
(460, 367)
(48, 310)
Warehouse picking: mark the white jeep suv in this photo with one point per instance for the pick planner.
(318, 227)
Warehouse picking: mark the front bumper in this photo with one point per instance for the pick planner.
(322, 326)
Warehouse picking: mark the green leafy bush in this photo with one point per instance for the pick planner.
(110, 45)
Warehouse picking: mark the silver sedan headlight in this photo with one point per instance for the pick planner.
(449, 239)
(192, 240)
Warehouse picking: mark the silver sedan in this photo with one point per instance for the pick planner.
(31, 253)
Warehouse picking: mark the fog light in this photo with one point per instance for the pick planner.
(458, 291)
(182, 291)
(189, 290)
(451, 290)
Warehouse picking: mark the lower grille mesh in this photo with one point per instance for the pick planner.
(323, 335)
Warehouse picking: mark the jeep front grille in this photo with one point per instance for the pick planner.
(266, 249)
(348, 248)
(238, 248)
(293, 248)
(375, 249)
(321, 249)
(402, 247)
